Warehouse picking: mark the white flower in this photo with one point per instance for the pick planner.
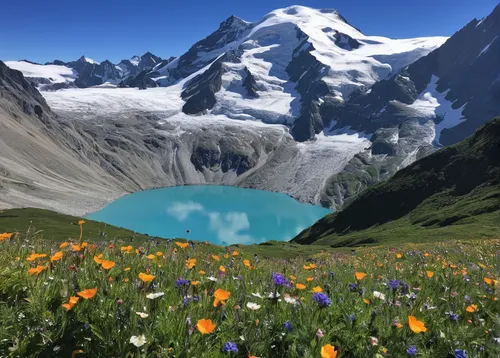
(290, 300)
(380, 295)
(257, 295)
(142, 314)
(253, 306)
(211, 278)
(497, 340)
(273, 295)
(152, 296)
(138, 341)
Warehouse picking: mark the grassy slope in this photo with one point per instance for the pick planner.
(59, 228)
(451, 194)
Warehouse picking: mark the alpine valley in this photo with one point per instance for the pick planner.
(300, 102)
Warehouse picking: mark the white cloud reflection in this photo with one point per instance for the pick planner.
(181, 211)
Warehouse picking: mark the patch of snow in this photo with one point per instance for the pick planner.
(432, 104)
(54, 73)
(487, 47)
(89, 60)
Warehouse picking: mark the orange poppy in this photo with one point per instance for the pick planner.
(300, 286)
(190, 263)
(88, 293)
(235, 253)
(309, 279)
(247, 263)
(366, 301)
(76, 248)
(107, 265)
(215, 257)
(37, 270)
(35, 256)
(292, 277)
(98, 259)
(430, 274)
(328, 351)
(317, 289)
(416, 325)
(72, 301)
(57, 256)
(359, 275)
(201, 272)
(399, 256)
(490, 281)
(151, 257)
(221, 296)
(182, 245)
(226, 256)
(205, 326)
(81, 222)
(64, 244)
(195, 283)
(146, 278)
(471, 308)
(399, 325)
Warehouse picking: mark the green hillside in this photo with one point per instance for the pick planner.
(451, 194)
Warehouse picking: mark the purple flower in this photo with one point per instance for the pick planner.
(394, 284)
(453, 316)
(180, 282)
(288, 326)
(352, 317)
(230, 347)
(322, 299)
(412, 351)
(404, 288)
(278, 279)
(185, 300)
(353, 287)
(466, 278)
(460, 353)
(467, 298)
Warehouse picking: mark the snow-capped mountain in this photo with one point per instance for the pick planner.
(300, 102)
(85, 72)
(287, 68)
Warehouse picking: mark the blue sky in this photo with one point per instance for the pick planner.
(43, 30)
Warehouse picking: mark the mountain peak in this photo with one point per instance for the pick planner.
(88, 60)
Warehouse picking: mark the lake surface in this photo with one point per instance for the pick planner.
(219, 214)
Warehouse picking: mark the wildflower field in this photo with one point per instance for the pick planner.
(173, 298)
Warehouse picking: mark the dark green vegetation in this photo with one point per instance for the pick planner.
(451, 194)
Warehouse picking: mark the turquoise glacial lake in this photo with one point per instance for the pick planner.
(219, 214)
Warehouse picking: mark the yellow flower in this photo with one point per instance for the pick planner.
(88, 293)
(201, 272)
(309, 279)
(293, 278)
(205, 326)
(222, 268)
(126, 269)
(216, 258)
(151, 257)
(399, 256)
(81, 222)
(57, 256)
(317, 289)
(328, 351)
(416, 325)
